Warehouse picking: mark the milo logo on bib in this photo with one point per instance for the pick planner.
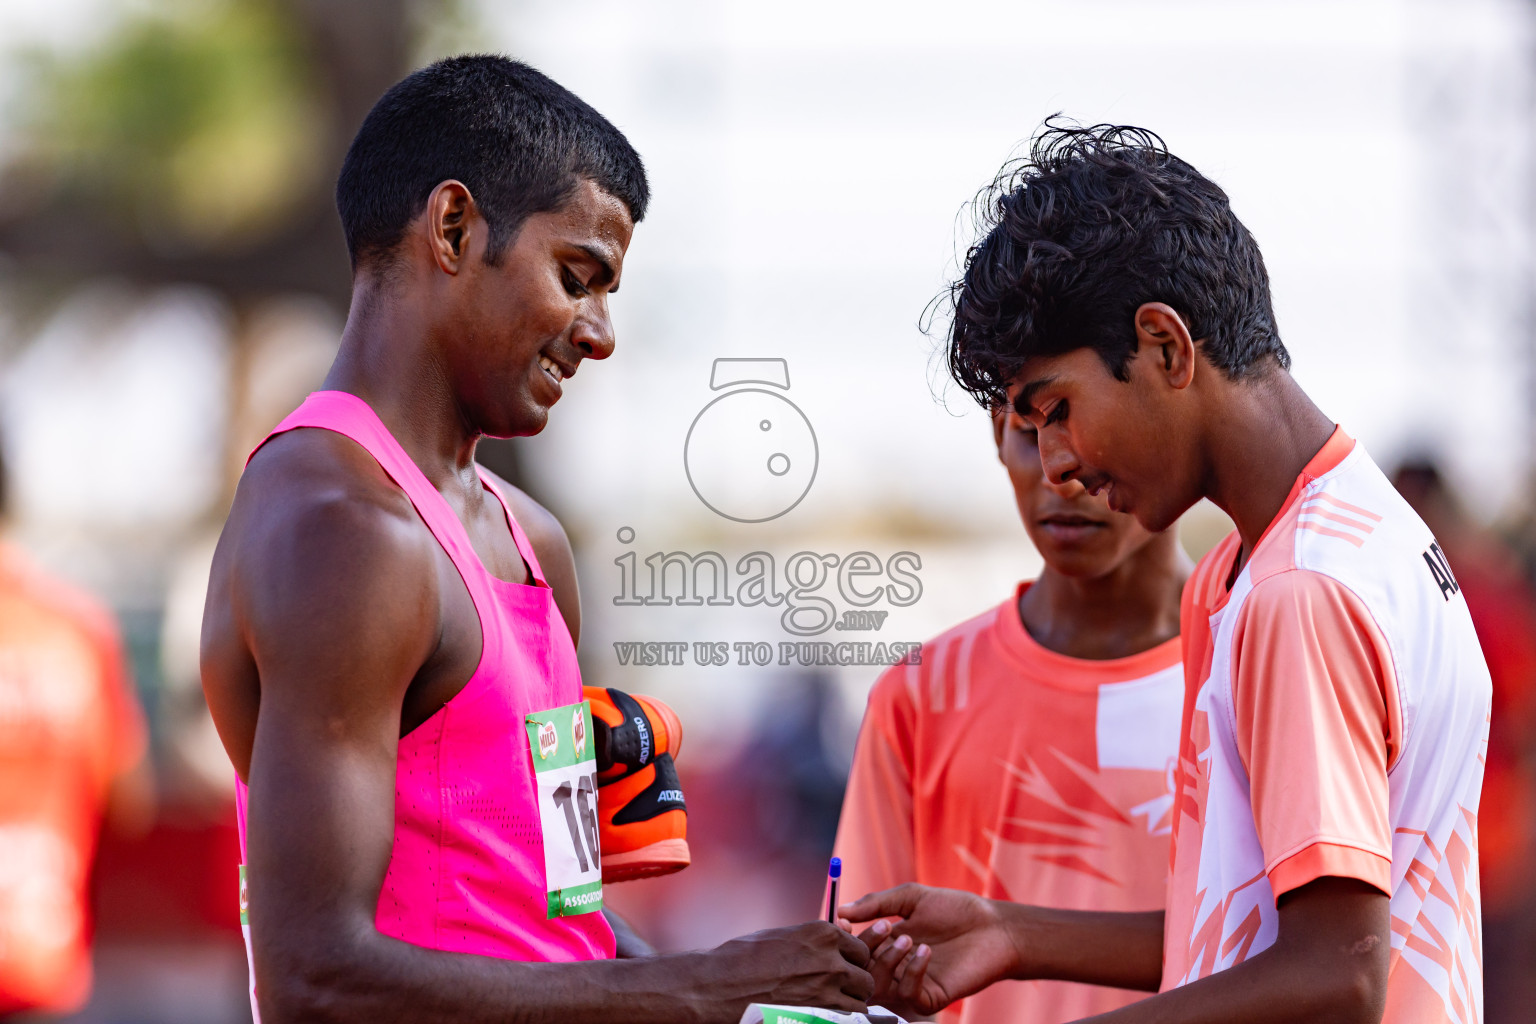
(549, 740)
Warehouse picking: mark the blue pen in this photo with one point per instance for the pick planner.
(834, 872)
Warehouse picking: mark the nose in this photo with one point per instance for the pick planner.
(593, 331)
(1058, 460)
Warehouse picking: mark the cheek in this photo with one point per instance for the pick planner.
(1090, 445)
(529, 309)
(1109, 440)
(1023, 463)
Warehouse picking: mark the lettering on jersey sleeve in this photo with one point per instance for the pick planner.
(1441, 570)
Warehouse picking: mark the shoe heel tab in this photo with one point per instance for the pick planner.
(660, 713)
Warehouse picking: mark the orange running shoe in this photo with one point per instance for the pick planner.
(643, 821)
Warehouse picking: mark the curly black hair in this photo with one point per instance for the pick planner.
(1093, 223)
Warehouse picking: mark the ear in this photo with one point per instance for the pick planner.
(451, 221)
(1163, 339)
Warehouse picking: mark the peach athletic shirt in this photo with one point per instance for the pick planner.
(69, 724)
(1336, 724)
(1006, 769)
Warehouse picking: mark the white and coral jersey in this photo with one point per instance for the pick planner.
(1335, 724)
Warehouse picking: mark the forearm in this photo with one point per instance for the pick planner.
(1122, 950)
(1274, 987)
(380, 978)
(1328, 965)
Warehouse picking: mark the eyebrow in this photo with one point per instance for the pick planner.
(601, 259)
(1025, 401)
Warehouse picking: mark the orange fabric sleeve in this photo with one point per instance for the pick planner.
(874, 835)
(1317, 726)
(1321, 860)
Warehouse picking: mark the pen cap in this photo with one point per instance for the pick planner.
(835, 869)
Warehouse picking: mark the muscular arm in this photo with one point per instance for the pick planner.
(331, 599)
(1328, 962)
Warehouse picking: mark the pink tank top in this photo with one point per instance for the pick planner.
(466, 872)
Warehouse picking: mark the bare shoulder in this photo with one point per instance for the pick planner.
(314, 489)
(320, 551)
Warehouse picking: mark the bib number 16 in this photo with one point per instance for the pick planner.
(565, 776)
(583, 835)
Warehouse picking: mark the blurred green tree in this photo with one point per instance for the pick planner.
(197, 123)
(198, 144)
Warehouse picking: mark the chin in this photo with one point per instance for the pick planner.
(523, 421)
(1079, 565)
(1156, 520)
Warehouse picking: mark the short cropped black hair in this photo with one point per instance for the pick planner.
(518, 141)
(1093, 223)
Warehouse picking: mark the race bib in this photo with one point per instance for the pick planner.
(760, 1013)
(565, 775)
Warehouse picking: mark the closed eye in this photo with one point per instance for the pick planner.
(1058, 413)
(573, 286)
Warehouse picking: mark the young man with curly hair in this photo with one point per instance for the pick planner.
(1335, 719)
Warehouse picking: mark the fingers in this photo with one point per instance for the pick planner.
(887, 962)
(913, 972)
(853, 950)
(858, 984)
(874, 935)
(897, 902)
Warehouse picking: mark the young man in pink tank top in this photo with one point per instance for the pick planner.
(389, 638)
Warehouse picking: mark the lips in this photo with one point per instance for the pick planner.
(1067, 519)
(555, 368)
(1069, 529)
(1106, 489)
(554, 372)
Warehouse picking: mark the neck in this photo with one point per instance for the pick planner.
(1130, 609)
(388, 359)
(1265, 432)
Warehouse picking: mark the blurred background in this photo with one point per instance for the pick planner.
(173, 281)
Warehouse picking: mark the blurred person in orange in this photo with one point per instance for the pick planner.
(72, 754)
(1030, 755)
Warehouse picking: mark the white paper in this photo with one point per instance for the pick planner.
(877, 1015)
